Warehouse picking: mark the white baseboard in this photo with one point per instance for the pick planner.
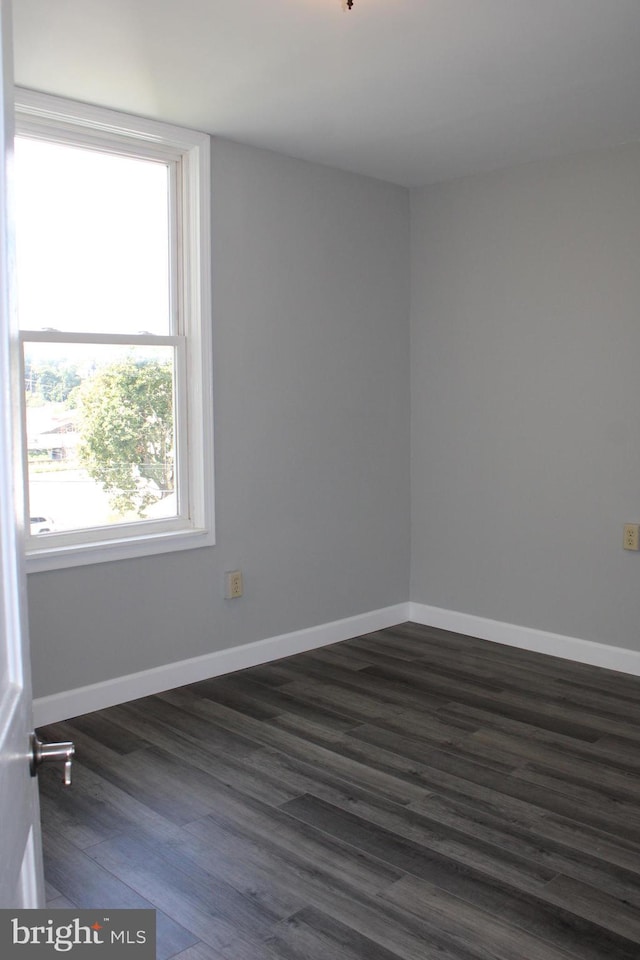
(555, 644)
(97, 696)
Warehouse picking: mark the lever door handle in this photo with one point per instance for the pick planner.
(52, 753)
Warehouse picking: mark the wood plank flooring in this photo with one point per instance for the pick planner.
(407, 794)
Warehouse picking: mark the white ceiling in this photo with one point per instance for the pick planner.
(411, 91)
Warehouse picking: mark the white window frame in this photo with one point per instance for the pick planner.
(188, 152)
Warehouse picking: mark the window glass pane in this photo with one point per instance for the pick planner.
(92, 240)
(100, 435)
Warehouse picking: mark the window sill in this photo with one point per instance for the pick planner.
(76, 555)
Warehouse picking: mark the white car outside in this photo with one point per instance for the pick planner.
(41, 525)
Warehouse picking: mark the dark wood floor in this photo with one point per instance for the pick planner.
(407, 794)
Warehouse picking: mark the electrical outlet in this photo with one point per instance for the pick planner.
(233, 585)
(631, 539)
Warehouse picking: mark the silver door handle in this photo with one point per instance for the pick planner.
(52, 753)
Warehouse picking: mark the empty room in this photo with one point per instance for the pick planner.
(320, 508)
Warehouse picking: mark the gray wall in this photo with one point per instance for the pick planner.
(525, 435)
(311, 342)
(526, 395)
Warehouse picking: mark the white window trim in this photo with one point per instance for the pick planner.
(84, 125)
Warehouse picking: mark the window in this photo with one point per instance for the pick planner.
(113, 267)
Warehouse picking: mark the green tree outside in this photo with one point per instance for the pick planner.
(126, 431)
(50, 382)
